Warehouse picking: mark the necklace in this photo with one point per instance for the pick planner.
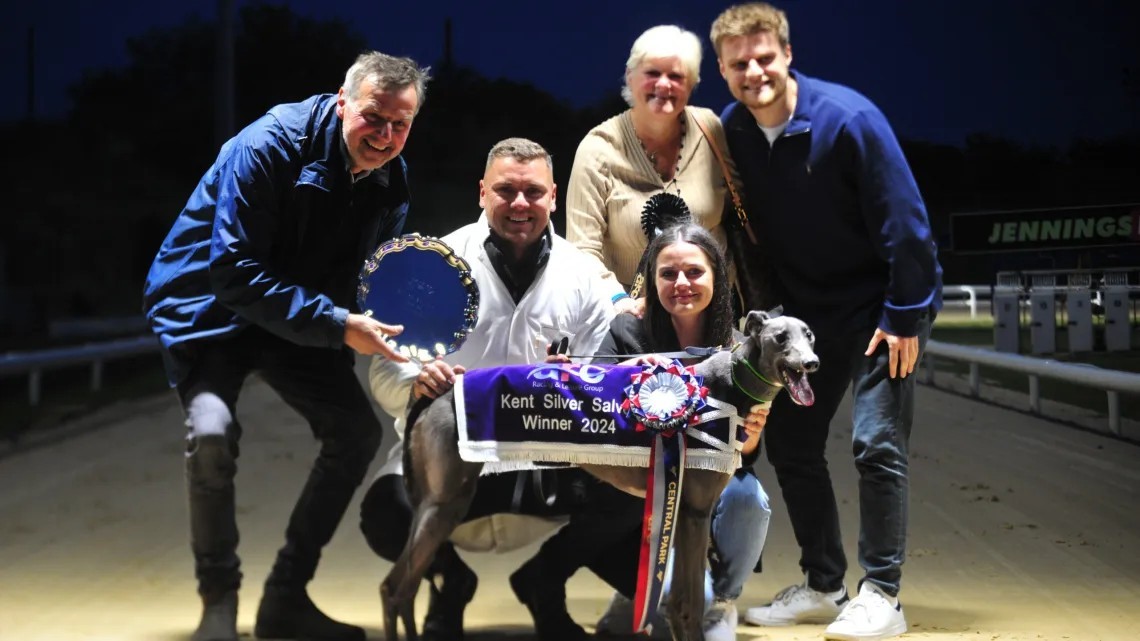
(652, 156)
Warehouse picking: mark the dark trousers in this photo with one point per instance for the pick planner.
(322, 387)
(796, 440)
(602, 533)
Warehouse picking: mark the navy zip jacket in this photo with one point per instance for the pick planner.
(275, 235)
(838, 213)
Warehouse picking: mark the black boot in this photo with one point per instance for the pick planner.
(444, 619)
(289, 613)
(546, 600)
(219, 617)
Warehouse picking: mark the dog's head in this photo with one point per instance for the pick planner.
(782, 352)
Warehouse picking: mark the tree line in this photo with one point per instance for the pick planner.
(91, 197)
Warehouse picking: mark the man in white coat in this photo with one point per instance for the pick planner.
(534, 288)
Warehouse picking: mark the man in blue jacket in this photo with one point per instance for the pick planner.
(259, 274)
(850, 249)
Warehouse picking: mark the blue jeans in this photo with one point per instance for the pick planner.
(796, 438)
(319, 384)
(739, 528)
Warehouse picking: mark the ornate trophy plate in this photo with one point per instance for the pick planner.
(421, 283)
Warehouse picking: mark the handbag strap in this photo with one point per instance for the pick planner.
(736, 202)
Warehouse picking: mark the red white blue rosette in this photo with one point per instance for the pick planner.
(665, 398)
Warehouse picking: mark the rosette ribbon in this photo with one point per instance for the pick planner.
(664, 399)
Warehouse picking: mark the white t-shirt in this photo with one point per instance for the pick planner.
(772, 133)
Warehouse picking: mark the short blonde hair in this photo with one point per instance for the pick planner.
(664, 41)
(748, 19)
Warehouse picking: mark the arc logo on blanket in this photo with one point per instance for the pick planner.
(563, 372)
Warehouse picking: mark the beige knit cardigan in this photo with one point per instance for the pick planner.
(612, 179)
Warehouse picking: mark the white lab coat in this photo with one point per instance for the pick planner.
(566, 299)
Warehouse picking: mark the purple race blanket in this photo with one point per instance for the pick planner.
(571, 413)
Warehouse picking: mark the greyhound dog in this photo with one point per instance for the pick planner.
(777, 352)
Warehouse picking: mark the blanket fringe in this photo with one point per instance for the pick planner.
(501, 459)
(502, 467)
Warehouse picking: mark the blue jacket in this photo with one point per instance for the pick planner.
(275, 235)
(838, 212)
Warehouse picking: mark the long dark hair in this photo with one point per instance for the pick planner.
(657, 322)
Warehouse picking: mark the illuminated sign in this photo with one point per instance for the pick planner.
(1036, 229)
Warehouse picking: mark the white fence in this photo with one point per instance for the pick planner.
(33, 364)
(968, 294)
(1112, 382)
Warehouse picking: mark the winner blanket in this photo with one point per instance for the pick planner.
(511, 416)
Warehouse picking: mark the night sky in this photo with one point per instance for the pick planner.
(1040, 73)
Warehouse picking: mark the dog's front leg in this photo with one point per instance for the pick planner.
(686, 606)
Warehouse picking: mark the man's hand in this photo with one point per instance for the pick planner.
(635, 306)
(435, 378)
(904, 352)
(753, 426)
(369, 336)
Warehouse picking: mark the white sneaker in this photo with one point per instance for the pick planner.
(798, 604)
(617, 621)
(870, 616)
(720, 621)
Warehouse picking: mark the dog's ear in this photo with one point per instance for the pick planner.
(778, 310)
(755, 321)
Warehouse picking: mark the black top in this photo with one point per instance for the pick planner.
(627, 335)
(517, 275)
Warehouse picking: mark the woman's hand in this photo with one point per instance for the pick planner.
(753, 427)
(627, 305)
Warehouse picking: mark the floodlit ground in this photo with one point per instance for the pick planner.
(1020, 530)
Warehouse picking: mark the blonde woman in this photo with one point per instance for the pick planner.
(655, 146)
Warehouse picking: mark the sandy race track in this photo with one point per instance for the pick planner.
(1020, 530)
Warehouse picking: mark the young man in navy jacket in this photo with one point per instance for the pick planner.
(850, 250)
